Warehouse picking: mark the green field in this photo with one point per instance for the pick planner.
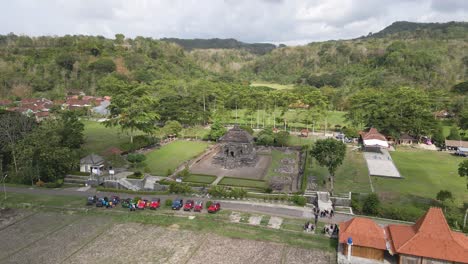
(351, 176)
(99, 138)
(426, 173)
(198, 178)
(231, 181)
(170, 156)
(275, 86)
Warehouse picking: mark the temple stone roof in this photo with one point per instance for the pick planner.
(236, 135)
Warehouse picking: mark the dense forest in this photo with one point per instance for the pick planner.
(205, 79)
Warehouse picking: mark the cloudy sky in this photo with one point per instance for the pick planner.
(277, 21)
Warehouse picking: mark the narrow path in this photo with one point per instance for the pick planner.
(218, 179)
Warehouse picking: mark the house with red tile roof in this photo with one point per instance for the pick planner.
(373, 138)
(368, 238)
(429, 240)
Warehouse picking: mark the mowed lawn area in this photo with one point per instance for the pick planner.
(198, 178)
(170, 156)
(237, 182)
(99, 138)
(425, 174)
(351, 176)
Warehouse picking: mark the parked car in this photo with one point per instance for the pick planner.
(214, 207)
(126, 203)
(177, 204)
(91, 200)
(103, 202)
(198, 206)
(141, 204)
(115, 200)
(188, 205)
(155, 203)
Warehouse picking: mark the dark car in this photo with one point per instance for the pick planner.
(189, 205)
(91, 200)
(177, 204)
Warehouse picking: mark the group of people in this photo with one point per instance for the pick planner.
(331, 229)
(309, 227)
(327, 213)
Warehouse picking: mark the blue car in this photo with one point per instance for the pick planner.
(177, 204)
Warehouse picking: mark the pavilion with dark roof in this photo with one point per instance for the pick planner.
(236, 150)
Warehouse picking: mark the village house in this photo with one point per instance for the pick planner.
(373, 139)
(92, 163)
(429, 240)
(406, 139)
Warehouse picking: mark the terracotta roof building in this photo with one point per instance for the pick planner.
(429, 239)
(373, 138)
(368, 238)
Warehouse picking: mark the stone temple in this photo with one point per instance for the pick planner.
(236, 150)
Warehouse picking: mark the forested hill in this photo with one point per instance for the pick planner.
(51, 66)
(216, 43)
(432, 56)
(405, 29)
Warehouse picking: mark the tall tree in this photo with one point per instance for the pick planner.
(133, 108)
(13, 127)
(463, 170)
(329, 153)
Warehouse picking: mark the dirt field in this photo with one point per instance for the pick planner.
(56, 237)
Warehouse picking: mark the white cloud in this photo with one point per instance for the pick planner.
(278, 21)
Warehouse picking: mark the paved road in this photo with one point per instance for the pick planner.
(247, 206)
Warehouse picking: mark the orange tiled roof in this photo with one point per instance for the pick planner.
(430, 237)
(364, 232)
(372, 134)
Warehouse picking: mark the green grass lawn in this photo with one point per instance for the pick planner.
(170, 156)
(294, 140)
(198, 178)
(351, 176)
(99, 138)
(426, 173)
(275, 86)
(238, 182)
(276, 157)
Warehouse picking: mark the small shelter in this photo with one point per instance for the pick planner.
(406, 139)
(373, 139)
(92, 163)
(429, 240)
(304, 133)
(368, 238)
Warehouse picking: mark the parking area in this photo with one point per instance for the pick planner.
(53, 237)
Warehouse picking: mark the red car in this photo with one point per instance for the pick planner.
(214, 207)
(155, 203)
(141, 204)
(188, 205)
(198, 206)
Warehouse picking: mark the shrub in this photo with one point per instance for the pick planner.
(443, 195)
(40, 183)
(136, 175)
(168, 172)
(136, 158)
(208, 204)
(168, 202)
(299, 200)
(217, 191)
(371, 204)
(268, 190)
(55, 184)
(136, 198)
(175, 187)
